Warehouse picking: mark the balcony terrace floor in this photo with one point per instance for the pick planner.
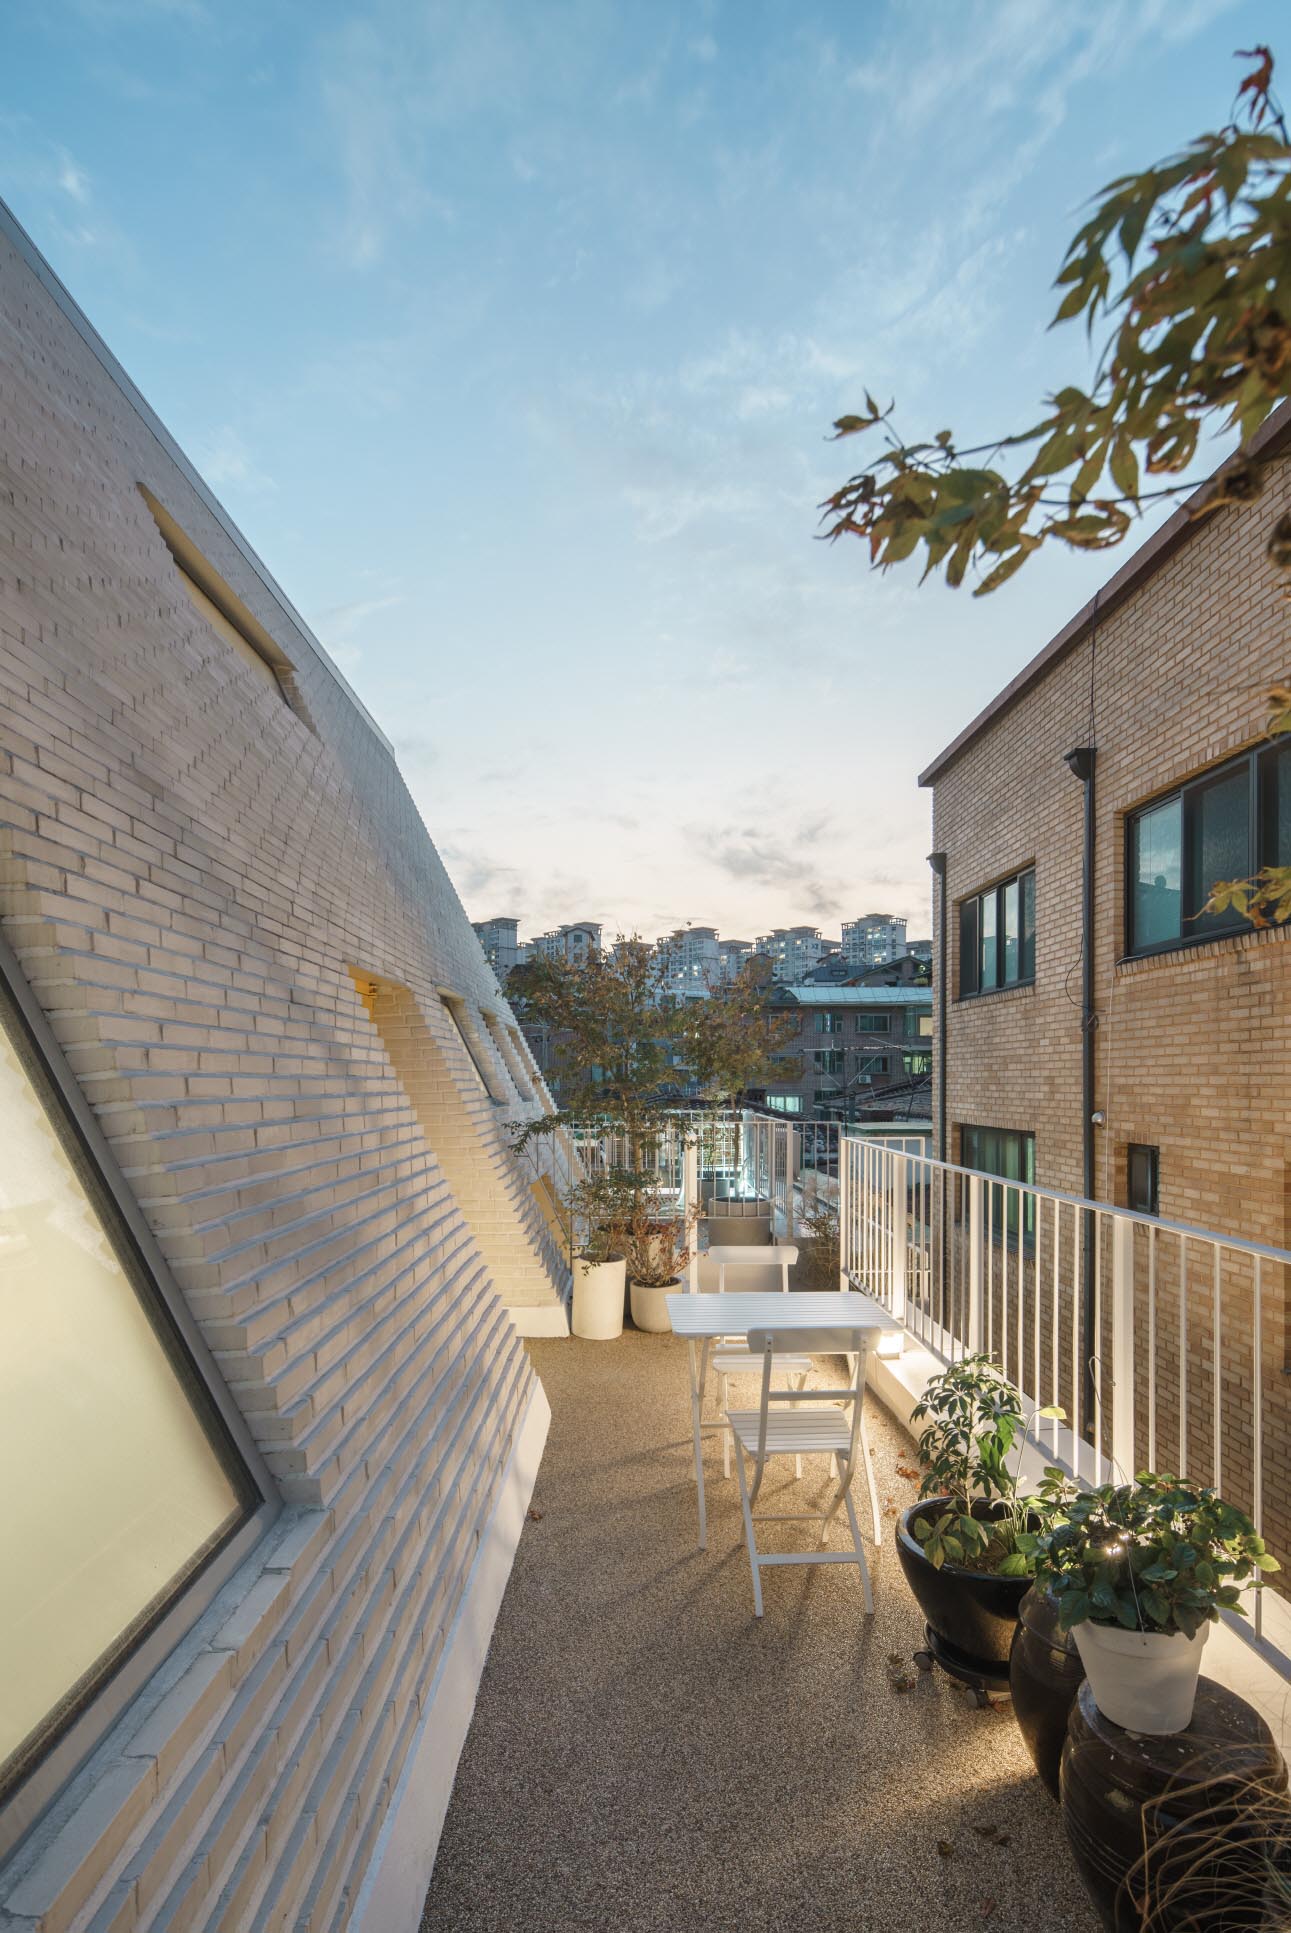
(646, 1757)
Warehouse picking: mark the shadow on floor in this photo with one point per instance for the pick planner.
(646, 1755)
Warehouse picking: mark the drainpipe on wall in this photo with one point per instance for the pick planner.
(937, 860)
(1080, 761)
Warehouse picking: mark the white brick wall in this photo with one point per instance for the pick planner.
(188, 873)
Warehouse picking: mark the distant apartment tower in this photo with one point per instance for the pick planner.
(920, 950)
(501, 946)
(574, 943)
(873, 940)
(792, 950)
(732, 958)
(691, 960)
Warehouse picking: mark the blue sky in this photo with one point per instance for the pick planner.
(511, 334)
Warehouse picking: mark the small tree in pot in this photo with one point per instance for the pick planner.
(655, 1239)
(963, 1544)
(1140, 1571)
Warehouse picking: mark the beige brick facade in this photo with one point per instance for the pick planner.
(1167, 677)
(199, 852)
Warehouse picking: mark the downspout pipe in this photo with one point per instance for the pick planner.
(937, 860)
(1081, 762)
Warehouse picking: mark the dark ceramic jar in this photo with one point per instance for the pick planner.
(1186, 1829)
(1045, 1673)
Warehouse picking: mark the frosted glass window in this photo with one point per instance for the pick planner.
(113, 1490)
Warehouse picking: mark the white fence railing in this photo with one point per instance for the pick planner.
(1166, 1345)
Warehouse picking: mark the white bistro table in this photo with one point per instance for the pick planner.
(701, 1319)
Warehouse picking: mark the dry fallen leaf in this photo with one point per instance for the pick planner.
(535, 1516)
(945, 1848)
(988, 1907)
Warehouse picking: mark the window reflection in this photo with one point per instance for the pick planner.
(113, 1492)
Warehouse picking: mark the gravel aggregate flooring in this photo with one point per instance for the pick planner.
(646, 1756)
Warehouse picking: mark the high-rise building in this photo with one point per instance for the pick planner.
(691, 961)
(574, 943)
(501, 947)
(873, 940)
(792, 950)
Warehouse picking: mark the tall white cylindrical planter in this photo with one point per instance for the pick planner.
(1145, 1681)
(598, 1298)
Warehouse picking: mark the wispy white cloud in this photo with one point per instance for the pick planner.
(224, 458)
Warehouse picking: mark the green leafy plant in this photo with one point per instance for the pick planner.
(1187, 266)
(1159, 1554)
(596, 1211)
(655, 1238)
(975, 1424)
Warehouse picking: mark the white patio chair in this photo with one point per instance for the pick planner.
(798, 1422)
(731, 1355)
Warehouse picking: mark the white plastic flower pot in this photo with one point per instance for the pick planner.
(598, 1298)
(649, 1309)
(1145, 1681)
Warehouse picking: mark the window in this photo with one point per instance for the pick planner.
(918, 1064)
(457, 1013)
(1226, 825)
(997, 937)
(873, 1023)
(1009, 1153)
(829, 1060)
(829, 1023)
(223, 610)
(510, 1060)
(124, 1481)
(918, 1024)
(872, 1064)
(785, 1103)
(1143, 1165)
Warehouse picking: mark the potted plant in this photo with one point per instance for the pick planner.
(1140, 1572)
(656, 1243)
(963, 1545)
(596, 1209)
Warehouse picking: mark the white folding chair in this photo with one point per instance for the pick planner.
(798, 1422)
(731, 1355)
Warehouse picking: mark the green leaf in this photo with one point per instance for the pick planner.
(1014, 1565)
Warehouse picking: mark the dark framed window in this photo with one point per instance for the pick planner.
(829, 1023)
(997, 936)
(140, 1489)
(918, 1063)
(873, 1023)
(1010, 1154)
(1227, 824)
(829, 1060)
(1143, 1178)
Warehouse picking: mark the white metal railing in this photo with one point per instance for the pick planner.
(1164, 1344)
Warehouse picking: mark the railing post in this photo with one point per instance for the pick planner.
(976, 1266)
(1123, 1347)
(844, 1216)
(690, 1202)
(900, 1235)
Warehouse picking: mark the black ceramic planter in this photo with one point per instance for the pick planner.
(1045, 1673)
(1164, 1829)
(973, 1613)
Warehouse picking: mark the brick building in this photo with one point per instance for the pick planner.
(269, 1428)
(852, 1043)
(1165, 675)
(1097, 1032)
